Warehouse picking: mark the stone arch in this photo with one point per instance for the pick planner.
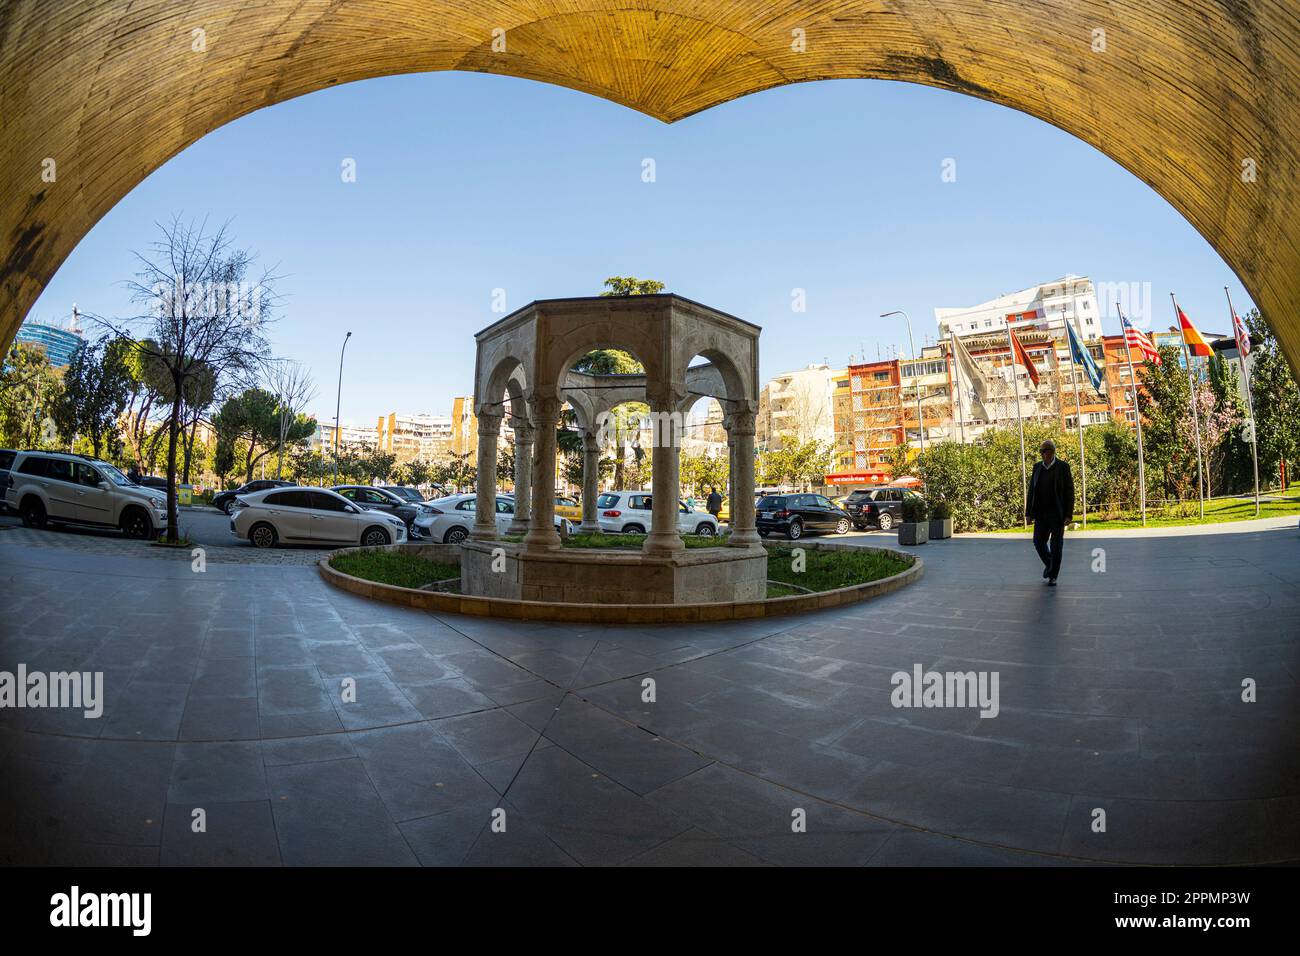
(1200, 99)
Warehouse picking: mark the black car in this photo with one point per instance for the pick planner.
(794, 515)
(225, 500)
(380, 499)
(881, 507)
(409, 494)
(149, 481)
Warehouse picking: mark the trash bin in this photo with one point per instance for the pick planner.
(184, 494)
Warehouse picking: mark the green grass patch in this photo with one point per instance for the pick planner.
(1186, 514)
(781, 590)
(393, 567)
(827, 570)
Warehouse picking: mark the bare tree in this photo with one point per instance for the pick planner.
(204, 322)
(293, 389)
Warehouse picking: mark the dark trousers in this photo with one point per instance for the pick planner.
(1049, 538)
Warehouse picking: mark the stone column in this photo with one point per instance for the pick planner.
(731, 475)
(743, 532)
(523, 475)
(664, 537)
(485, 514)
(590, 483)
(542, 535)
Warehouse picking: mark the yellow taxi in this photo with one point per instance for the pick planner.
(567, 507)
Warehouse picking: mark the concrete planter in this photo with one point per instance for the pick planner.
(914, 532)
(940, 528)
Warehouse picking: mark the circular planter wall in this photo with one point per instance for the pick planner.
(605, 613)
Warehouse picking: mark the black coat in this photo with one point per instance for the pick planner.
(714, 504)
(1053, 489)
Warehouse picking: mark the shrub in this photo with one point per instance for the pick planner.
(940, 510)
(914, 509)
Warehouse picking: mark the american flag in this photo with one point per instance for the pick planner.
(1136, 340)
(1243, 337)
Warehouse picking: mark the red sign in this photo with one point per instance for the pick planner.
(857, 478)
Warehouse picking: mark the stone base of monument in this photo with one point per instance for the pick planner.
(589, 576)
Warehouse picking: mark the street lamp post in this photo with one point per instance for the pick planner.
(920, 416)
(338, 402)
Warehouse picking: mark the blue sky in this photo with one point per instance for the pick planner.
(467, 183)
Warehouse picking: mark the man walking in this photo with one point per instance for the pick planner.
(714, 503)
(1050, 507)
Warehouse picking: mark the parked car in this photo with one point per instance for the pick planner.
(151, 481)
(629, 512)
(6, 462)
(881, 507)
(56, 488)
(225, 500)
(408, 493)
(451, 519)
(296, 515)
(567, 507)
(380, 499)
(794, 515)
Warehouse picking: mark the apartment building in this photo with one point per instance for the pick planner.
(798, 405)
(415, 436)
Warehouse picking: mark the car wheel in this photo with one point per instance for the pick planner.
(455, 534)
(795, 531)
(705, 529)
(262, 535)
(842, 526)
(228, 507)
(136, 524)
(886, 521)
(633, 529)
(375, 537)
(33, 513)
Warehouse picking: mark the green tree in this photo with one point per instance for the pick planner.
(29, 391)
(96, 385)
(253, 417)
(1276, 399)
(629, 285)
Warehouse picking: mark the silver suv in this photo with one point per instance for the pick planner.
(55, 488)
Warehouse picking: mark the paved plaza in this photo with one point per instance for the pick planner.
(1120, 693)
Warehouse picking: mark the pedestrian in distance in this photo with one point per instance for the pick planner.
(714, 503)
(1050, 506)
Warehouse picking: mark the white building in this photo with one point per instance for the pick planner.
(798, 405)
(415, 436)
(1048, 305)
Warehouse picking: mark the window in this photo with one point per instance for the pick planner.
(640, 502)
(324, 501)
(606, 501)
(32, 466)
(505, 507)
(290, 499)
(469, 504)
(86, 475)
(58, 469)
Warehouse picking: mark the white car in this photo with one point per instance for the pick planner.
(629, 512)
(311, 516)
(55, 488)
(450, 520)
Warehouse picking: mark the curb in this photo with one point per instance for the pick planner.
(623, 613)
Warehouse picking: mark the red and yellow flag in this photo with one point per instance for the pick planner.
(1022, 357)
(1196, 343)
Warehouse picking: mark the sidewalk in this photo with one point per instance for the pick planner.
(1168, 531)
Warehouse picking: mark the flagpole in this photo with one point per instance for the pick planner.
(1250, 404)
(1137, 418)
(1015, 383)
(1196, 418)
(956, 373)
(1078, 415)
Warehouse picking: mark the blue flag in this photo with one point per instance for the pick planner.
(1082, 356)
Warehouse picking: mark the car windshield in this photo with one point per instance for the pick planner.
(115, 476)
